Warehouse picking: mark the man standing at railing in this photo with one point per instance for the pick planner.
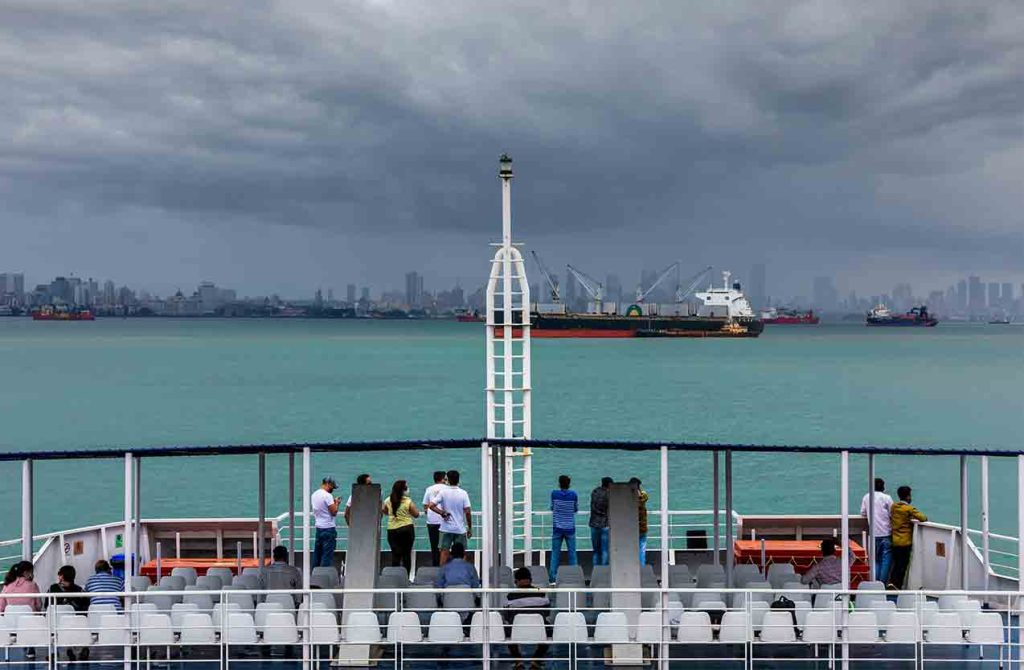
(452, 503)
(880, 516)
(325, 508)
(599, 522)
(433, 518)
(903, 516)
(564, 505)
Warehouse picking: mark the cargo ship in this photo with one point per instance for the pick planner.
(61, 313)
(722, 311)
(918, 316)
(469, 316)
(789, 317)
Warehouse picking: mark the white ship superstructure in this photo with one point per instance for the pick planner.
(727, 301)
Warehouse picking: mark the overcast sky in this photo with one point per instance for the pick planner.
(280, 146)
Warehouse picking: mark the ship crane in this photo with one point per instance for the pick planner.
(594, 288)
(682, 294)
(641, 294)
(556, 295)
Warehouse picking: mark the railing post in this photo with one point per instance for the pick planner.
(1020, 522)
(126, 542)
(306, 568)
(984, 519)
(666, 549)
(872, 559)
(729, 558)
(716, 521)
(261, 524)
(291, 507)
(844, 506)
(26, 510)
(485, 546)
(137, 514)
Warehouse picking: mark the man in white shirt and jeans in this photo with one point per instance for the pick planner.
(325, 508)
(433, 518)
(882, 517)
(452, 503)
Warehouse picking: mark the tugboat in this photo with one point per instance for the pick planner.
(918, 316)
(61, 313)
(789, 317)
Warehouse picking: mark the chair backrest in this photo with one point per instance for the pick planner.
(209, 583)
(404, 627)
(826, 601)
(396, 572)
(324, 628)
(709, 573)
(780, 573)
(222, 610)
(361, 627)
(902, 628)
(909, 601)
(539, 575)
(224, 574)
(757, 612)
(251, 572)
(944, 627)
(601, 575)
(735, 627)
(178, 611)
(570, 575)
(445, 627)
(527, 628)
(188, 573)
(985, 628)
(263, 610)
(611, 627)
(819, 627)
(73, 631)
(279, 628)
(426, 575)
(862, 627)
(156, 629)
(948, 603)
(240, 629)
(326, 573)
(649, 628)
(140, 583)
(98, 611)
(197, 628)
(32, 631)
(777, 626)
(711, 605)
(202, 601)
(459, 601)
(570, 627)
(242, 599)
(173, 582)
(495, 629)
(285, 600)
(871, 586)
(246, 581)
(114, 629)
(694, 627)
(746, 572)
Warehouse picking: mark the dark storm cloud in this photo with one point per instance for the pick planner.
(831, 127)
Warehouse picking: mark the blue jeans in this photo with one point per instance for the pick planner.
(643, 548)
(323, 550)
(557, 535)
(599, 541)
(883, 558)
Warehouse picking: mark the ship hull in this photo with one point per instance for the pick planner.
(902, 323)
(614, 326)
(63, 316)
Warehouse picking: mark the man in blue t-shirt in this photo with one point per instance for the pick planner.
(564, 505)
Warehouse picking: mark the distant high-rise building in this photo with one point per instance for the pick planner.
(350, 293)
(975, 295)
(12, 287)
(756, 290)
(961, 295)
(571, 291)
(1006, 295)
(364, 294)
(826, 297)
(902, 297)
(109, 293)
(413, 289)
(993, 295)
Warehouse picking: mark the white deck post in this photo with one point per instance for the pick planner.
(1020, 522)
(844, 506)
(871, 516)
(261, 524)
(964, 554)
(291, 508)
(26, 510)
(984, 518)
(729, 558)
(137, 514)
(717, 504)
(485, 544)
(306, 568)
(666, 549)
(126, 541)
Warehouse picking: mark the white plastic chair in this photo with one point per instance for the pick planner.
(780, 573)
(114, 630)
(221, 611)
(325, 575)
(243, 600)
(882, 611)
(362, 628)
(871, 586)
(251, 572)
(202, 601)
(279, 628)
(944, 628)
(246, 582)
(758, 609)
(240, 629)
(495, 627)
(679, 577)
(746, 572)
(967, 609)
(32, 631)
(711, 605)
(909, 601)
(948, 603)
(405, 627)
(324, 628)
(14, 612)
(285, 600)
(178, 611)
(197, 629)
(73, 631)
(777, 627)
(694, 627)
(189, 574)
(209, 582)
(569, 627)
(986, 628)
(263, 610)
(708, 574)
(140, 583)
(156, 630)
(445, 627)
(426, 575)
(528, 628)
(735, 628)
(173, 582)
(862, 628)
(135, 612)
(648, 628)
(225, 575)
(819, 627)
(902, 628)
(96, 614)
(55, 612)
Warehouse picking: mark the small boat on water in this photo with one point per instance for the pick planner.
(1004, 321)
(469, 316)
(783, 316)
(62, 313)
(918, 316)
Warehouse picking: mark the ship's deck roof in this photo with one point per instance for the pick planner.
(469, 443)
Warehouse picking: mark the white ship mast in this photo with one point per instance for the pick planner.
(508, 370)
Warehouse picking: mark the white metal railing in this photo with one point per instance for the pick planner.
(686, 627)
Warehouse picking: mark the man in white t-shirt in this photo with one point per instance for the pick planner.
(325, 508)
(433, 518)
(882, 517)
(452, 504)
(361, 479)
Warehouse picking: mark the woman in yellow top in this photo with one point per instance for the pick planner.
(400, 510)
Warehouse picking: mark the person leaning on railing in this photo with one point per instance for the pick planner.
(903, 516)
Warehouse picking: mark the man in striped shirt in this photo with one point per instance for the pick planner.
(104, 582)
(564, 505)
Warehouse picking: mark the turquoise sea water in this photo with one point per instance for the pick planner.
(164, 382)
